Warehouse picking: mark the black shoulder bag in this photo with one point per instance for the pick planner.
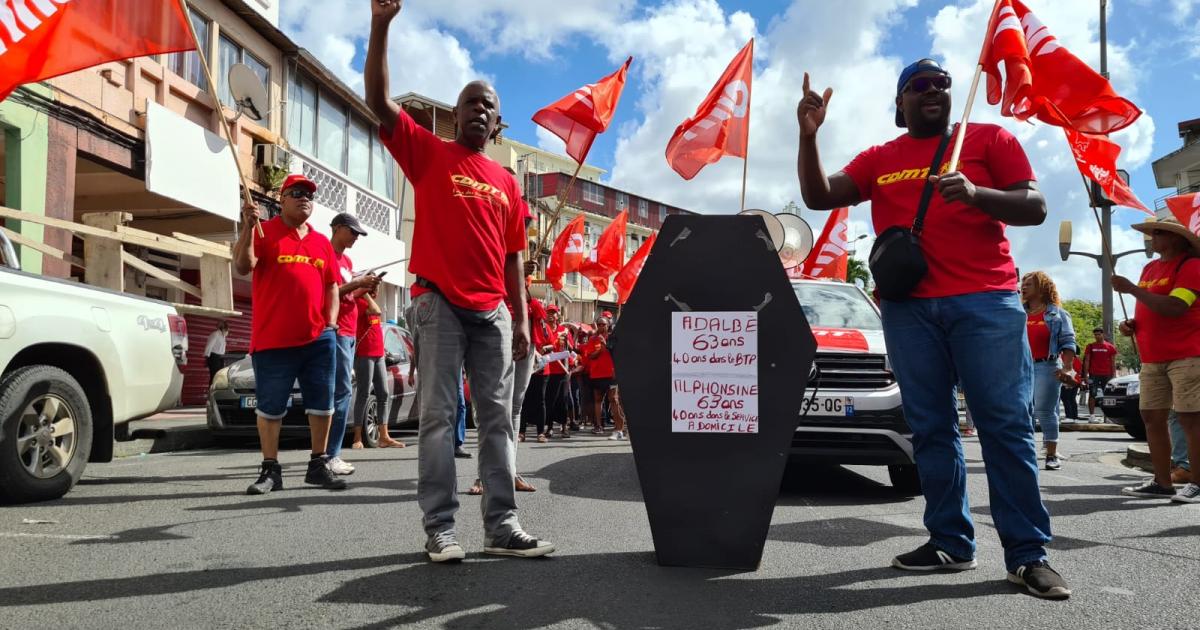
(896, 261)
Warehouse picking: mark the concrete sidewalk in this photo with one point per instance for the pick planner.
(179, 429)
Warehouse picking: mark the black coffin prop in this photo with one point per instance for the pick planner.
(710, 496)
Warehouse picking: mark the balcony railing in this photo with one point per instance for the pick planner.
(1161, 202)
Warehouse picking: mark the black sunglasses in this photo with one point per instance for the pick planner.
(920, 85)
(299, 193)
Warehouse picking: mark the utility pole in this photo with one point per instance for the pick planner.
(1104, 205)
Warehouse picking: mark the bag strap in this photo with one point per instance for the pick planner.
(927, 192)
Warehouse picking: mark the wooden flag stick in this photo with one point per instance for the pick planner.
(212, 86)
(562, 199)
(962, 127)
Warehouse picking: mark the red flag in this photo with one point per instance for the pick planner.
(42, 39)
(1096, 157)
(608, 256)
(580, 115)
(721, 124)
(829, 258)
(628, 275)
(1045, 80)
(1186, 209)
(567, 254)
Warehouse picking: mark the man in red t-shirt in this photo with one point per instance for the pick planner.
(466, 254)
(293, 329)
(346, 232)
(1099, 364)
(1166, 323)
(962, 321)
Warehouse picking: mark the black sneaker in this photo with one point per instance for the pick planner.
(1040, 580)
(319, 475)
(930, 558)
(521, 545)
(1053, 462)
(270, 478)
(1149, 490)
(443, 547)
(461, 453)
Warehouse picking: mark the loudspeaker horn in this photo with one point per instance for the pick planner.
(774, 226)
(797, 240)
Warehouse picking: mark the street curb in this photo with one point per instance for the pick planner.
(1138, 456)
(1090, 428)
(146, 441)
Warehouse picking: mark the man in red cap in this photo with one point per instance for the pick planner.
(293, 328)
(466, 255)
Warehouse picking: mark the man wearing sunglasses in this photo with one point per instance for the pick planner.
(963, 320)
(293, 329)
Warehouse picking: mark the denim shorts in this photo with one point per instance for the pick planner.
(312, 365)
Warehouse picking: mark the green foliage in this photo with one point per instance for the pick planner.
(857, 270)
(1086, 316)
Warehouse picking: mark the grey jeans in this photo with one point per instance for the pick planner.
(450, 338)
(370, 372)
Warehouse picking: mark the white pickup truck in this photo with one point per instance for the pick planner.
(77, 363)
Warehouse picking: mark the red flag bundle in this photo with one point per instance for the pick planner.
(721, 125)
(1186, 209)
(829, 258)
(567, 254)
(628, 275)
(608, 256)
(1045, 80)
(1096, 157)
(42, 39)
(580, 115)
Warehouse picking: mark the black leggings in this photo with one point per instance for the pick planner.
(557, 399)
(533, 411)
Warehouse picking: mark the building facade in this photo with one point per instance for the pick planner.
(1180, 169)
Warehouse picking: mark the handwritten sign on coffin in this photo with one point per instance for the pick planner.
(714, 372)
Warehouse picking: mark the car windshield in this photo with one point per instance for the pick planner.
(830, 305)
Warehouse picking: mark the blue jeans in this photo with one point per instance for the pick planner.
(341, 394)
(1179, 443)
(460, 428)
(1046, 391)
(278, 369)
(980, 339)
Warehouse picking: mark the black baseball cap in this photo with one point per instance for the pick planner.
(350, 221)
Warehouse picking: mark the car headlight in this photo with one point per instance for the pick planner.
(1133, 389)
(220, 379)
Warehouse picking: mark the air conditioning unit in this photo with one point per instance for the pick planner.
(272, 155)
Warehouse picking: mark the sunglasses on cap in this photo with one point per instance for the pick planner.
(920, 85)
(299, 193)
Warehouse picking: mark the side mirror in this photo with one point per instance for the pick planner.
(1064, 240)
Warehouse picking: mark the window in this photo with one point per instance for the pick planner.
(383, 170)
(187, 64)
(331, 132)
(662, 213)
(360, 152)
(587, 234)
(230, 53)
(593, 193)
(302, 115)
(643, 208)
(622, 201)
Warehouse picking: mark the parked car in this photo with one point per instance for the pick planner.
(77, 364)
(851, 412)
(232, 401)
(1120, 404)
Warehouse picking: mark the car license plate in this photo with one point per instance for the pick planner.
(1108, 402)
(828, 406)
(249, 402)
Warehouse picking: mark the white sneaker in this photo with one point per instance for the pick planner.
(338, 466)
(1188, 494)
(618, 435)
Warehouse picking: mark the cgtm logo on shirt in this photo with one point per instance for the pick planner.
(1157, 282)
(468, 188)
(373, 321)
(908, 174)
(297, 259)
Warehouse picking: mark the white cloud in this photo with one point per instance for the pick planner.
(547, 141)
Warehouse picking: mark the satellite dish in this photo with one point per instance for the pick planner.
(249, 94)
(774, 227)
(797, 240)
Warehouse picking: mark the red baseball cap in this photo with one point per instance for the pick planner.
(298, 180)
(553, 308)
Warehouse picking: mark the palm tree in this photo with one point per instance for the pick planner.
(857, 270)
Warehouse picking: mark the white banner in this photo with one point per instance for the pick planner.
(714, 372)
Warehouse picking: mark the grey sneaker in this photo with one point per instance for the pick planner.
(1053, 462)
(443, 547)
(521, 545)
(1188, 494)
(1149, 490)
(339, 466)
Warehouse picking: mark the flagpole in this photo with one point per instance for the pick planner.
(962, 127)
(562, 199)
(208, 75)
(1106, 252)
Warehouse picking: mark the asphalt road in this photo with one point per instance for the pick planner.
(170, 541)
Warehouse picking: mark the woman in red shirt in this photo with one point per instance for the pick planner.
(1166, 324)
(601, 372)
(1052, 342)
(370, 372)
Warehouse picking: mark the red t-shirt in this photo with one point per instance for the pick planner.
(556, 367)
(289, 286)
(469, 215)
(347, 308)
(601, 366)
(1161, 339)
(1100, 358)
(966, 249)
(370, 332)
(539, 334)
(1039, 336)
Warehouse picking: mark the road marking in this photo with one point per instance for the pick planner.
(57, 536)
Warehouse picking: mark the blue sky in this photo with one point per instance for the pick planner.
(536, 51)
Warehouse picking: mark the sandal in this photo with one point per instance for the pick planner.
(523, 486)
(520, 437)
(391, 444)
(542, 438)
(357, 445)
(476, 489)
